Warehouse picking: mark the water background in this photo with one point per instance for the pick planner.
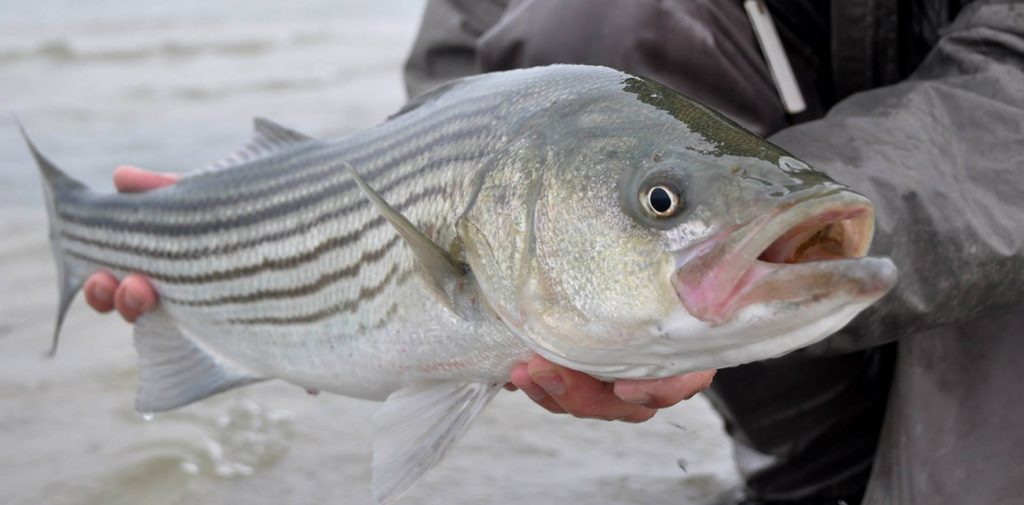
(172, 86)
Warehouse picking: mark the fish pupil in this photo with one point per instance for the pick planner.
(660, 200)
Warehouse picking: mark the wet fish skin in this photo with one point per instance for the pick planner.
(284, 256)
(501, 215)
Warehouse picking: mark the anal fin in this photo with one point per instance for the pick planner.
(173, 370)
(414, 428)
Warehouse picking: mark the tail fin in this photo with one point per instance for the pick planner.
(56, 185)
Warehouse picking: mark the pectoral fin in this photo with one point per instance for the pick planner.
(447, 278)
(414, 428)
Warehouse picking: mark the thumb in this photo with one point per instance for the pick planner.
(129, 179)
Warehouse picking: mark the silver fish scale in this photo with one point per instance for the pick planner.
(283, 267)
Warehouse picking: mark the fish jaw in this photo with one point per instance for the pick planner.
(755, 292)
(805, 251)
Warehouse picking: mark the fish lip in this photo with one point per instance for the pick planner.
(713, 278)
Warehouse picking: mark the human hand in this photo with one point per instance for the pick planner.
(561, 390)
(133, 295)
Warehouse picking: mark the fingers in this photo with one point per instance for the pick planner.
(559, 389)
(580, 394)
(134, 297)
(661, 393)
(99, 291)
(520, 378)
(129, 179)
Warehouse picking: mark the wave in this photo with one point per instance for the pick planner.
(62, 50)
(196, 93)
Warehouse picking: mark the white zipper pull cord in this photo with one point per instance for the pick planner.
(775, 55)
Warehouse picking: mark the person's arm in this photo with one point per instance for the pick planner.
(942, 157)
(446, 45)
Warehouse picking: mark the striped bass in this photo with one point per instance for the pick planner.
(594, 217)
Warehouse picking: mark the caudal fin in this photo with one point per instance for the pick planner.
(57, 186)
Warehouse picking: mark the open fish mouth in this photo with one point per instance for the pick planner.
(803, 253)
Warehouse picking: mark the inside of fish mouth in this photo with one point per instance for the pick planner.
(833, 235)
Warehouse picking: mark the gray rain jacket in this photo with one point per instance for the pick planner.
(918, 104)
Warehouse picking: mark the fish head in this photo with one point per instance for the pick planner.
(643, 235)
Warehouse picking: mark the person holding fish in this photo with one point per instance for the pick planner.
(918, 106)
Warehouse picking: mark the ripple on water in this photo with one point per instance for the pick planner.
(248, 437)
(234, 441)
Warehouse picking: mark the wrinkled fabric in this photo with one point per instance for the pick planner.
(695, 47)
(445, 47)
(942, 157)
(941, 154)
(806, 428)
(954, 432)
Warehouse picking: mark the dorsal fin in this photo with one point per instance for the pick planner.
(268, 138)
(427, 96)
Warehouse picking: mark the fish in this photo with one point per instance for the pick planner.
(594, 217)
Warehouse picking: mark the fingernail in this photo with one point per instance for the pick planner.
(132, 302)
(630, 393)
(636, 397)
(551, 382)
(102, 293)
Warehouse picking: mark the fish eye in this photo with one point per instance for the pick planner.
(661, 201)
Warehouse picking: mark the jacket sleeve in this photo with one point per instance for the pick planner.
(942, 157)
(446, 46)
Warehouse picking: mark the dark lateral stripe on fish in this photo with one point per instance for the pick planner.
(365, 293)
(304, 168)
(274, 210)
(289, 166)
(130, 222)
(388, 314)
(350, 271)
(404, 137)
(223, 249)
(278, 264)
